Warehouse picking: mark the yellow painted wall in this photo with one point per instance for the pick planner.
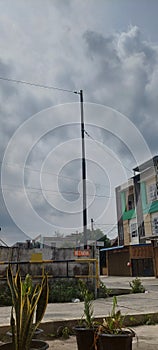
(126, 232)
(147, 225)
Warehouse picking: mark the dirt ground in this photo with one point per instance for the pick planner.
(68, 344)
(147, 340)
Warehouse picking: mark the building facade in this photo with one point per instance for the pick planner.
(137, 205)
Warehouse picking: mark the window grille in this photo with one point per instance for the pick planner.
(152, 192)
(155, 225)
(133, 230)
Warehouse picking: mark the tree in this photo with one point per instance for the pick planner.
(96, 235)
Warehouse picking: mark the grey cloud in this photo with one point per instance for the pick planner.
(9, 233)
(98, 44)
(103, 52)
(47, 45)
(132, 43)
(5, 68)
(125, 82)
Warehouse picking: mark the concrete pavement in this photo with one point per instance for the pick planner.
(138, 308)
(130, 304)
(138, 305)
(150, 283)
(147, 339)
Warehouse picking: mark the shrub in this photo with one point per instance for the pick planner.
(64, 290)
(137, 286)
(60, 290)
(5, 295)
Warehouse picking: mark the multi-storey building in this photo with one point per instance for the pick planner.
(137, 205)
(137, 216)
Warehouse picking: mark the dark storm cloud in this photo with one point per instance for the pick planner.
(125, 69)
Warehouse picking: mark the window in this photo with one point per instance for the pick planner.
(155, 226)
(133, 230)
(130, 198)
(131, 201)
(152, 192)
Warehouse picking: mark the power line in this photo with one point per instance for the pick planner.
(100, 145)
(114, 224)
(59, 89)
(14, 165)
(37, 85)
(33, 189)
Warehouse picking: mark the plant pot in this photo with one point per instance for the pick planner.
(85, 338)
(121, 341)
(35, 344)
(36, 333)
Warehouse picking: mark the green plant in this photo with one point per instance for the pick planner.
(27, 286)
(137, 286)
(63, 332)
(103, 290)
(87, 318)
(148, 320)
(112, 332)
(5, 295)
(66, 333)
(114, 323)
(28, 308)
(63, 290)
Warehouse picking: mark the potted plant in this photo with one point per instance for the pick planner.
(27, 285)
(112, 333)
(85, 330)
(28, 308)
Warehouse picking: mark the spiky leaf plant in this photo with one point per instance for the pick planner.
(88, 317)
(28, 308)
(115, 322)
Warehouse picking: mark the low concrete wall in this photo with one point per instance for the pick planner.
(52, 329)
(51, 254)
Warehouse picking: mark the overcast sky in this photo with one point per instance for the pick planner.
(107, 48)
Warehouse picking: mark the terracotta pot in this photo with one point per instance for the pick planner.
(85, 338)
(121, 341)
(35, 344)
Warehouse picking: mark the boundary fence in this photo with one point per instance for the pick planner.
(69, 268)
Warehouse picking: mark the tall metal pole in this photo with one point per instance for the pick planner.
(83, 173)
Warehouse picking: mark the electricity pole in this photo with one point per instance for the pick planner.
(83, 172)
(92, 225)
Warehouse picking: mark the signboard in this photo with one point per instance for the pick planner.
(80, 253)
(95, 243)
(91, 242)
(36, 257)
(100, 244)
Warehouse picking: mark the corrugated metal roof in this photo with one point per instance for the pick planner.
(112, 248)
(123, 246)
